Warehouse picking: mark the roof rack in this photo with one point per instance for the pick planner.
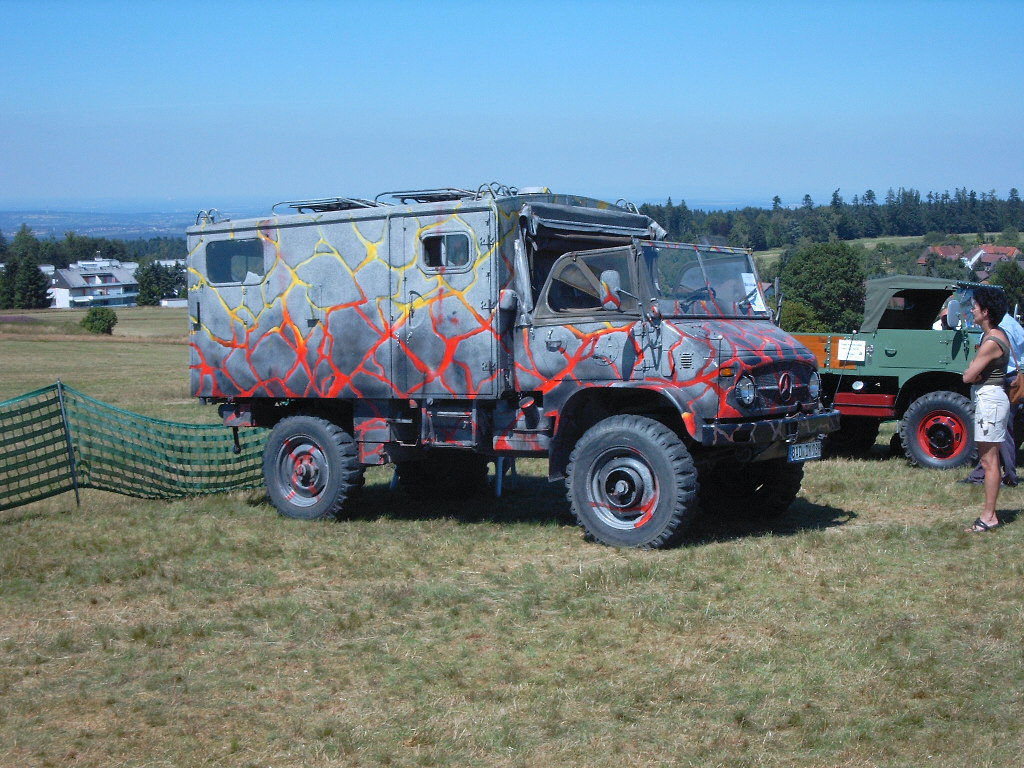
(440, 195)
(325, 204)
(425, 195)
(494, 189)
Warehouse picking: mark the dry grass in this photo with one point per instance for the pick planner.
(866, 629)
(143, 367)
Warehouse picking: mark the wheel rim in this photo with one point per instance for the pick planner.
(302, 470)
(942, 434)
(623, 489)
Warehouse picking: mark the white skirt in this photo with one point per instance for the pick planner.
(991, 410)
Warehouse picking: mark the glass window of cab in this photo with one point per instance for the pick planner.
(576, 282)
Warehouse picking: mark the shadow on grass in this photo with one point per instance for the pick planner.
(802, 516)
(1007, 516)
(887, 451)
(533, 500)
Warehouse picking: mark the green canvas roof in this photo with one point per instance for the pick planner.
(881, 291)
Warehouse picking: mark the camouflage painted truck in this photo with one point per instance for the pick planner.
(896, 367)
(439, 330)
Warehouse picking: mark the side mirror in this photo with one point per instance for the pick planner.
(953, 313)
(611, 283)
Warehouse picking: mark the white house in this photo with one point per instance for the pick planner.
(94, 283)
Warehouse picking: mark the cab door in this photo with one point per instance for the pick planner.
(574, 336)
(443, 309)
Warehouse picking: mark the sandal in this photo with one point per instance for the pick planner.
(980, 526)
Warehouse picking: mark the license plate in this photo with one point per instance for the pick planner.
(805, 451)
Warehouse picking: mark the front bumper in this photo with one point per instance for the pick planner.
(760, 434)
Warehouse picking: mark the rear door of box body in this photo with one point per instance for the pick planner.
(442, 275)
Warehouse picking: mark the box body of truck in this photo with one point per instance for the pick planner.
(450, 328)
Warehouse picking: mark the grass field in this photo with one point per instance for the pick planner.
(867, 629)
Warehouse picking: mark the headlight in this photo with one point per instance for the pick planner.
(814, 385)
(746, 391)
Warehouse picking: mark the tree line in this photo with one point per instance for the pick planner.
(61, 253)
(902, 212)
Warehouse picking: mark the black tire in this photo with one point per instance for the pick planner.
(937, 431)
(632, 483)
(856, 436)
(444, 473)
(311, 468)
(763, 490)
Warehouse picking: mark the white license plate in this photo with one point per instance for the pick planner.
(805, 451)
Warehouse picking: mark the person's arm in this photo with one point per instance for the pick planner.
(987, 352)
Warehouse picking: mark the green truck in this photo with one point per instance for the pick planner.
(898, 367)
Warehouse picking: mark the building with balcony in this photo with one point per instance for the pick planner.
(95, 283)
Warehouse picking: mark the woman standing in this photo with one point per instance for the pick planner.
(987, 372)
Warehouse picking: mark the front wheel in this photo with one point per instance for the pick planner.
(311, 467)
(632, 483)
(937, 431)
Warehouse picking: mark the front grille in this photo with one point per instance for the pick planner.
(766, 377)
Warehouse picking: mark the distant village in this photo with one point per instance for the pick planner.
(980, 260)
(100, 283)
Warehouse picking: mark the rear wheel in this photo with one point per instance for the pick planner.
(311, 468)
(632, 483)
(937, 431)
(763, 490)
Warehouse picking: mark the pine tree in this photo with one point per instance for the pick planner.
(32, 288)
(149, 285)
(9, 278)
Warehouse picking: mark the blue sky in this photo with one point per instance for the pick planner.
(242, 104)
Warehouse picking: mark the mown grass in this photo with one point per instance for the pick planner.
(142, 367)
(865, 629)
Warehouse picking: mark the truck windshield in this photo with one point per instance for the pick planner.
(704, 281)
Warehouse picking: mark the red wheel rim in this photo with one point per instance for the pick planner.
(942, 434)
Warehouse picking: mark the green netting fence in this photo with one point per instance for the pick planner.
(56, 440)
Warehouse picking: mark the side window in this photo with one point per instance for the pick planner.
(446, 250)
(575, 284)
(572, 288)
(235, 261)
